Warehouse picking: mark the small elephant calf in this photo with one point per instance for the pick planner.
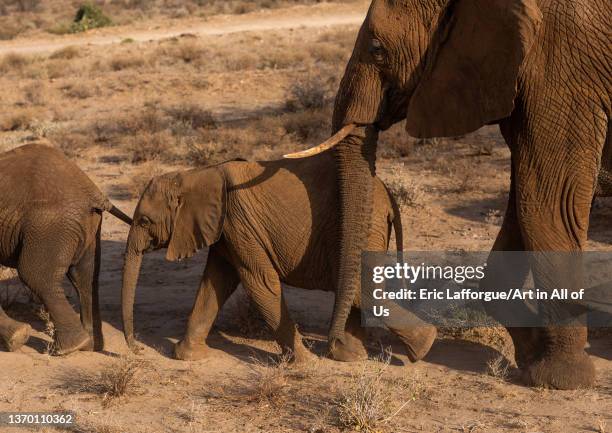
(265, 223)
(50, 222)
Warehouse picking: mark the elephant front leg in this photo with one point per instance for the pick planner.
(264, 287)
(554, 219)
(502, 274)
(218, 282)
(14, 334)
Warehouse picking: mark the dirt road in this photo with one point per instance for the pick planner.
(323, 15)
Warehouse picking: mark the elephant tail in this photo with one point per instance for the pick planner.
(116, 212)
(397, 226)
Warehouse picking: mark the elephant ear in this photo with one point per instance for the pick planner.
(471, 67)
(200, 214)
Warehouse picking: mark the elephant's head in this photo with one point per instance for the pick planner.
(446, 66)
(182, 212)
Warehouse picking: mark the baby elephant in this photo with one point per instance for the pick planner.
(265, 223)
(50, 221)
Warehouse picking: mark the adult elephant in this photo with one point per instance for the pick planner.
(538, 68)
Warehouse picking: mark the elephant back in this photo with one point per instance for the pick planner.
(43, 177)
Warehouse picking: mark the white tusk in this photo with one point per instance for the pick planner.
(328, 144)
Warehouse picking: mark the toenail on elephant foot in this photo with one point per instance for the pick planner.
(17, 337)
(352, 349)
(70, 341)
(561, 371)
(190, 352)
(417, 340)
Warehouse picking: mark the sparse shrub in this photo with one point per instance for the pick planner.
(59, 68)
(306, 125)
(310, 94)
(89, 16)
(366, 405)
(240, 61)
(68, 53)
(13, 62)
(22, 118)
(328, 53)
(203, 154)
(35, 93)
(80, 90)
(498, 367)
(27, 5)
(268, 381)
(121, 378)
(407, 192)
(10, 30)
(464, 173)
(70, 142)
(146, 146)
(193, 116)
(49, 330)
(126, 61)
(189, 52)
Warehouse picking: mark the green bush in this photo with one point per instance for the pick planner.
(89, 16)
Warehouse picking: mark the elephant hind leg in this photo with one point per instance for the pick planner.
(264, 287)
(84, 276)
(352, 348)
(14, 334)
(218, 283)
(43, 271)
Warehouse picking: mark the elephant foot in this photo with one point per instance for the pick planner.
(351, 350)
(190, 352)
(418, 340)
(70, 341)
(561, 371)
(17, 336)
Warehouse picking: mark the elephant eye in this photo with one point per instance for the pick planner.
(377, 50)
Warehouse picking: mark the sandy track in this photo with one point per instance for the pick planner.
(324, 15)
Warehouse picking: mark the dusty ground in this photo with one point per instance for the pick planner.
(126, 111)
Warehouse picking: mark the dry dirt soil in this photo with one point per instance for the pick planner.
(131, 101)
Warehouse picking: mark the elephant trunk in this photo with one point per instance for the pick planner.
(355, 158)
(131, 270)
(358, 101)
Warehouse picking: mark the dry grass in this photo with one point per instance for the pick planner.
(498, 367)
(15, 63)
(35, 93)
(80, 90)
(20, 119)
(601, 426)
(367, 403)
(268, 382)
(119, 379)
(68, 53)
(408, 193)
(49, 330)
(126, 61)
